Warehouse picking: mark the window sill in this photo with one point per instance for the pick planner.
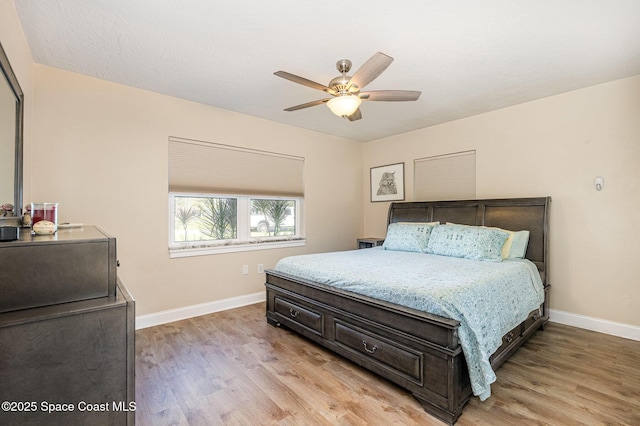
(175, 252)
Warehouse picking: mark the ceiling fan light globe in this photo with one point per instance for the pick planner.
(344, 106)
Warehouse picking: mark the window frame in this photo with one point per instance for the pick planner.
(243, 240)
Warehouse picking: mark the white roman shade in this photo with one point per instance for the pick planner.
(445, 177)
(204, 167)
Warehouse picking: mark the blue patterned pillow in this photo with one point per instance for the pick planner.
(408, 237)
(469, 242)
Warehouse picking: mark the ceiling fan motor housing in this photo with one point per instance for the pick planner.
(339, 84)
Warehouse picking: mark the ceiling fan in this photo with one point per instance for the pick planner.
(346, 90)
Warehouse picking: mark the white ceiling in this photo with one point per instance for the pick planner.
(467, 57)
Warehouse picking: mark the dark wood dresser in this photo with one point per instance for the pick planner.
(67, 327)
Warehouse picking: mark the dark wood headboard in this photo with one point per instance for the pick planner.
(514, 214)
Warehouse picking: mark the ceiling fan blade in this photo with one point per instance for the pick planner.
(370, 70)
(304, 81)
(390, 95)
(355, 116)
(308, 104)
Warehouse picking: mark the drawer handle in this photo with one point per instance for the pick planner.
(509, 337)
(293, 313)
(366, 348)
(535, 316)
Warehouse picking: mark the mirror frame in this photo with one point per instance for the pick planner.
(5, 67)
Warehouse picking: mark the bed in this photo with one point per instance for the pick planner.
(390, 334)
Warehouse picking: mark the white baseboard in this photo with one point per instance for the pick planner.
(595, 324)
(149, 320)
(589, 323)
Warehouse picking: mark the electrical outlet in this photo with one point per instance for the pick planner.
(260, 268)
(245, 269)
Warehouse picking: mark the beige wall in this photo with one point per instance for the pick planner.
(554, 146)
(100, 150)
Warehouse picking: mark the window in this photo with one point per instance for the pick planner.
(272, 218)
(211, 223)
(445, 177)
(202, 218)
(225, 199)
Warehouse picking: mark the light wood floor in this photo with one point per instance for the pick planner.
(233, 368)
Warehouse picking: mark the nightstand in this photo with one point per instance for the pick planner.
(369, 242)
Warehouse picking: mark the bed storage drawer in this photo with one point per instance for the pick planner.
(531, 320)
(291, 312)
(511, 338)
(383, 352)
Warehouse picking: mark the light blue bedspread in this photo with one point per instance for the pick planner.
(488, 298)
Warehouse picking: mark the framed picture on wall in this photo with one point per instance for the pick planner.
(387, 183)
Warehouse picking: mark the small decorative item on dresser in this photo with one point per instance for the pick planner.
(44, 227)
(47, 212)
(26, 217)
(8, 219)
(6, 210)
(369, 242)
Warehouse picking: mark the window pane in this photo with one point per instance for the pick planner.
(272, 217)
(205, 219)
